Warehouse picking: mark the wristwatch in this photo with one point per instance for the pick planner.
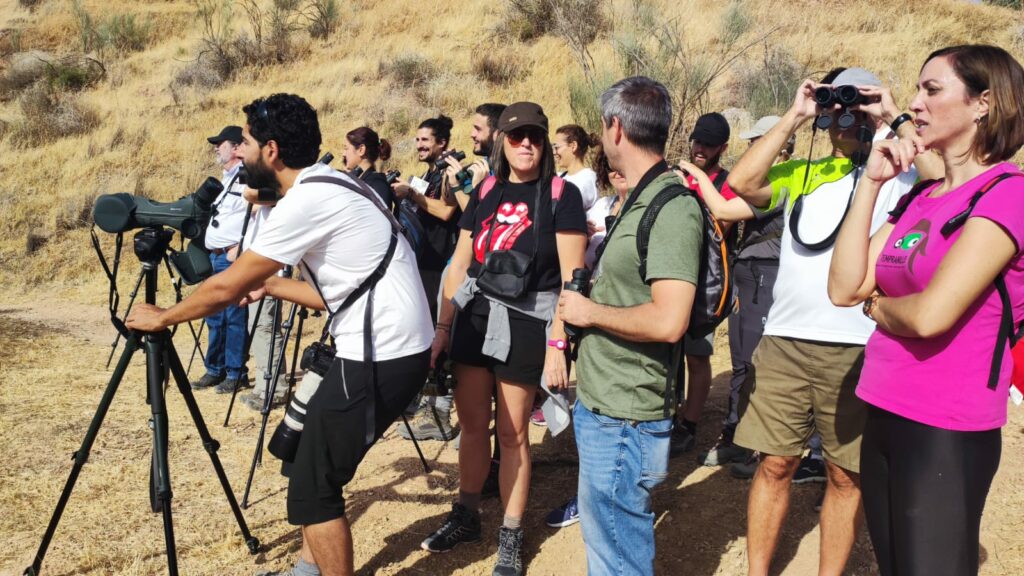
(558, 344)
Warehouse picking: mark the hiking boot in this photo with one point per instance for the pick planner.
(207, 381)
(810, 470)
(722, 453)
(462, 525)
(745, 470)
(491, 487)
(510, 552)
(682, 440)
(425, 425)
(230, 384)
(565, 515)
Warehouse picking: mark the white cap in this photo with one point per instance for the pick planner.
(761, 127)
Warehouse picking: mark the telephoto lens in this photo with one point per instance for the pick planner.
(580, 283)
(316, 361)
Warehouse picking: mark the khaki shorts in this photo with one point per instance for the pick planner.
(797, 386)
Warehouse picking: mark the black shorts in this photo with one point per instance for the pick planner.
(333, 440)
(525, 362)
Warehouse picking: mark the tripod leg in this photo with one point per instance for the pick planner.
(81, 456)
(245, 356)
(295, 358)
(196, 348)
(270, 390)
(211, 445)
(156, 345)
(423, 460)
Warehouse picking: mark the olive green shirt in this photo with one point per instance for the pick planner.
(617, 377)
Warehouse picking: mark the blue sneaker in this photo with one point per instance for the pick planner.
(565, 515)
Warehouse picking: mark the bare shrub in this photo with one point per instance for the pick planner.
(121, 33)
(526, 20)
(583, 99)
(74, 73)
(24, 70)
(323, 16)
(75, 213)
(408, 70)
(30, 4)
(498, 68)
(11, 41)
(579, 23)
(48, 115)
(34, 240)
(767, 86)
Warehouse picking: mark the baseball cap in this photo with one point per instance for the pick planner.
(760, 128)
(856, 77)
(232, 133)
(522, 114)
(711, 129)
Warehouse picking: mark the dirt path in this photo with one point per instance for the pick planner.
(51, 378)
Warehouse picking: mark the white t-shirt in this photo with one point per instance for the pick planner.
(342, 238)
(802, 308)
(586, 181)
(597, 215)
(230, 216)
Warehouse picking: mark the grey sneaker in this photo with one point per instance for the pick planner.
(425, 426)
(206, 381)
(256, 403)
(745, 470)
(722, 453)
(510, 552)
(228, 385)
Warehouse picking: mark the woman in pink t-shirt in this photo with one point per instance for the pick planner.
(933, 376)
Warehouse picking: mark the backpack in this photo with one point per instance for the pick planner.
(1008, 331)
(412, 228)
(713, 301)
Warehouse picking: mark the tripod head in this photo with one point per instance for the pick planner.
(151, 245)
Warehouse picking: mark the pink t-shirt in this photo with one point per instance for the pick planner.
(725, 191)
(943, 381)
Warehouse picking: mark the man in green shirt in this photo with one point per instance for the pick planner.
(632, 325)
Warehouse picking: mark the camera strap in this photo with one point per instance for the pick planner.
(366, 287)
(113, 296)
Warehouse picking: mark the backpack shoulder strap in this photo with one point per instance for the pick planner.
(901, 206)
(643, 232)
(487, 186)
(960, 219)
(720, 178)
(557, 187)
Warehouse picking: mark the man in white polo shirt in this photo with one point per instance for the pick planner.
(225, 364)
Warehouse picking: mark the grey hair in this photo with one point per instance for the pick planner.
(644, 109)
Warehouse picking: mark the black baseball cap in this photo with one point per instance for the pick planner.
(522, 114)
(711, 129)
(232, 133)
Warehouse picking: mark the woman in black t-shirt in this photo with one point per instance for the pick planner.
(514, 211)
(363, 147)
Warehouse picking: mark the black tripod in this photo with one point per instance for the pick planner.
(150, 246)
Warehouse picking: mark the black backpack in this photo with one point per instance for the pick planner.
(713, 301)
(1008, 331)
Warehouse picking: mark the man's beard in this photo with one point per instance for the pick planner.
(483, 148)
(259, 175)
(709, 163)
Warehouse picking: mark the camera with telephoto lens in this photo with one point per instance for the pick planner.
(392, 176)
(316, 361)
(441, 162)
(580, 283)
(440, 379)
(845, 96)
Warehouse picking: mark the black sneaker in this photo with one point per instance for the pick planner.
(510, 552)
(681, 441)
(207, 381)
(810, 470)
(228, 386)
(491, 486)
(462, 525)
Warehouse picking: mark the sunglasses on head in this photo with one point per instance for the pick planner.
(517, 135)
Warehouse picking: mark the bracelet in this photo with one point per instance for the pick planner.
(899, 121)
(870, 304)
(445, 327)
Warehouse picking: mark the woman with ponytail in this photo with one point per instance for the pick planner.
(363, 148)
(570, 147)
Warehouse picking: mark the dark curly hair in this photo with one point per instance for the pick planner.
(291, 122)
(440, 126)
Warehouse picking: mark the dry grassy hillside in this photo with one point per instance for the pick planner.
(387, 64)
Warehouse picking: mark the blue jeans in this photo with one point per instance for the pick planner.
(621, 461)
(226, 333)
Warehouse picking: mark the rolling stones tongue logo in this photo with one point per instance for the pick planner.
(512, 221)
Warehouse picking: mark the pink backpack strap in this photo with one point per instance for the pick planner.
(557, 186)
(487, 186)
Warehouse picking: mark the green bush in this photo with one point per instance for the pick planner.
(323, 16)
(121, 32)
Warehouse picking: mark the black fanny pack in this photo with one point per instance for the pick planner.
(505, 273)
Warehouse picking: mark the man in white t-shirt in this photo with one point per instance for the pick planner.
(807, 364)
(340, 237)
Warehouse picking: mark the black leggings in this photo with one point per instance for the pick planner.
(924, 490)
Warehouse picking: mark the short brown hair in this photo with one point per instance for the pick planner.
(981, 67)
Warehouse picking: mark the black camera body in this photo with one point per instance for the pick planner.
(845, 96)
(442, 162)
(317, 357)
(392, 176)
(580, 283)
